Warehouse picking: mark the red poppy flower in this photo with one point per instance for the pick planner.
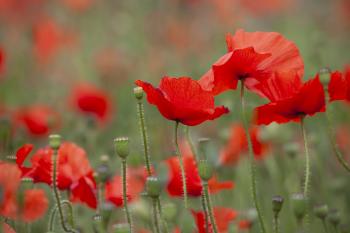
(136, 179)
(49, 38)
(183, 100)
(7, 229)
(238, 145)
(35, 202)
(39, 120)
(88, 99)
(223, 218)
(193, 181)
(339, 85)
(74, 171)
(290, 99)
(252, 57)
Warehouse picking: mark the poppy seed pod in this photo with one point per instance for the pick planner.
(325, 73)
(299, 205)
(321, 211)
(153, 187)
(138, 92)
(122, 147)
(121, 228)
(334, 217)
(205, 170)
(55, 141)
(277, 203)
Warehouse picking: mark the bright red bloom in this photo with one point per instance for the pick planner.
(290, 98)
(339, 85)
(252, 57)
(39, 120)
(183, 100)
(238, 145)
(88, 99)
(136, 179)
(74, 170)
(35, 202)
(193, 181)
(223, 217)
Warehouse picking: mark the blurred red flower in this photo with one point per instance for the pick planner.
(244, 224)
(35, 202)
(290, 98)
(238, 145)
(74, 170)
(136, 179)
(223, 216)
(49, 38)
(183, 100)
(252, 57)
(38, 120)
(2, 61)
(193, 181)
(90, 100)
(6, 228)
(339, 85)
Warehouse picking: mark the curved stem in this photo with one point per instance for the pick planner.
(155, 215)
(307, 160)
(144, 136)
(209, 207)
(125, 198)
(183, 174)
(335, 147)
(57, 194)
(54, 212)
(251, 160)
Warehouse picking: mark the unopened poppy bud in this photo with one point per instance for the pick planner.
(205, 170)
(299, 205)
(55, 141)
(153, 187)
(121, 228)
(169, 212)
(277, 203)
(321, 211)
(344, 228)
(291, 149)
(138, 92)
(122, 147)
(334, 217)
(324, 75)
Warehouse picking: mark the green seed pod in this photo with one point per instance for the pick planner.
(321, 211)
(153, 187)
(324, 74)
(299, 205)
(138, 92)
(277, 203)
(121, 228)
(205, 170)
(334, 217)
(122, 147)
(169, 212)
(55, 141)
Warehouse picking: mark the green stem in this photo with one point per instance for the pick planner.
(54, 212)
(209, 207)
(183, 174)
(155, 215)
(276, 224)
(205, 210)
(324, 225)
(307, 159)
(144, 136)
(251, 160)
(125, 198)
(165, 225)
(335, 147)
(57, 194)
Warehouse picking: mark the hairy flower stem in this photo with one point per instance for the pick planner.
(335, 147)
(164, 223)
(276, 224)
(125, 198)
(57, 194)
(209, 206)
(155, 215)
(251, 160)
(144, 136)
(183, 174)
(205, 210)
(54, 212)
(307, 160)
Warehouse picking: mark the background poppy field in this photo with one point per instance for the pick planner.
(69, 67)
